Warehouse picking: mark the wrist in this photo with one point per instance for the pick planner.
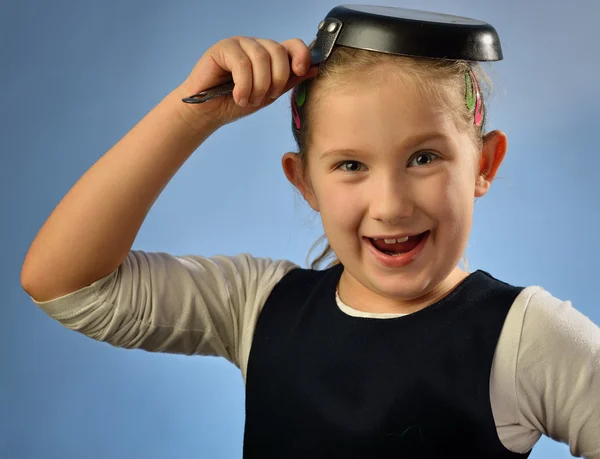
(196, 116)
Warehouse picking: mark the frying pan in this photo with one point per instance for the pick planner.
(394, 30)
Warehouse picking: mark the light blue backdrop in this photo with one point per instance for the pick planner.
(75, 76)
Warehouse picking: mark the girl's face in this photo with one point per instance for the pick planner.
(385, 161)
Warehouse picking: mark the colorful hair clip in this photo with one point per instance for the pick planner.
(298, 99)
(473, 98)
(295, 114)
(301, 93)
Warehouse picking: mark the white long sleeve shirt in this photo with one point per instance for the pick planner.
(545, 376)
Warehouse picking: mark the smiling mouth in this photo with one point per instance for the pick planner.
(397, 247)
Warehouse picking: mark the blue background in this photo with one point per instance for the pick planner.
(77, 75)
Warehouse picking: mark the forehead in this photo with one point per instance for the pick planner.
(379, 112)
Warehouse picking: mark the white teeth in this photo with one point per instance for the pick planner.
(393, 241)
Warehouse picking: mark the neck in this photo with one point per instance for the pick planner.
(355, 295)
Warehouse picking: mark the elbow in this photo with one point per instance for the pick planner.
(32, 282)
(26, 279)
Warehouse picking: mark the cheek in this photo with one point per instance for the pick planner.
(459, 205)
(449, 199)
(341, 210)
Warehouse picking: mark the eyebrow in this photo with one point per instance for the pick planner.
(410, 143)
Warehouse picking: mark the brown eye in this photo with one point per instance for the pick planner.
(422, 159)
(356, 165)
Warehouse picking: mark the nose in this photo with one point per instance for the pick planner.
(392, 201)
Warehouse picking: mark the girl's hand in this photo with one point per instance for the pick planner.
(261, 70)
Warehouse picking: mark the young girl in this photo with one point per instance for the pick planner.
(392, 350)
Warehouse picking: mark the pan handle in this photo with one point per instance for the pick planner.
(211, 93)
(227, 88)
(215, 91)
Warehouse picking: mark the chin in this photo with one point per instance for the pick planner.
(405, 286)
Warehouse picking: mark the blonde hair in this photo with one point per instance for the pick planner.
(440, 80)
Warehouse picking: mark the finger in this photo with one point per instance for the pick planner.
(300, 54)
(233, 59)
(261, 69)
(280, 66)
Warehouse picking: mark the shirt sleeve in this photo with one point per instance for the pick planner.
(176, 304)
(558, 374)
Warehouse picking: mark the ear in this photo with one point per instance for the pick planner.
(292, 167)
(492, 154)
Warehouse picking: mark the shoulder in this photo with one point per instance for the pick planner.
(557, 323)
(254, 275)
(254, 266)
(538, 316)
(551, 331)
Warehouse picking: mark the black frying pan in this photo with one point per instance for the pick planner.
(393, 30)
